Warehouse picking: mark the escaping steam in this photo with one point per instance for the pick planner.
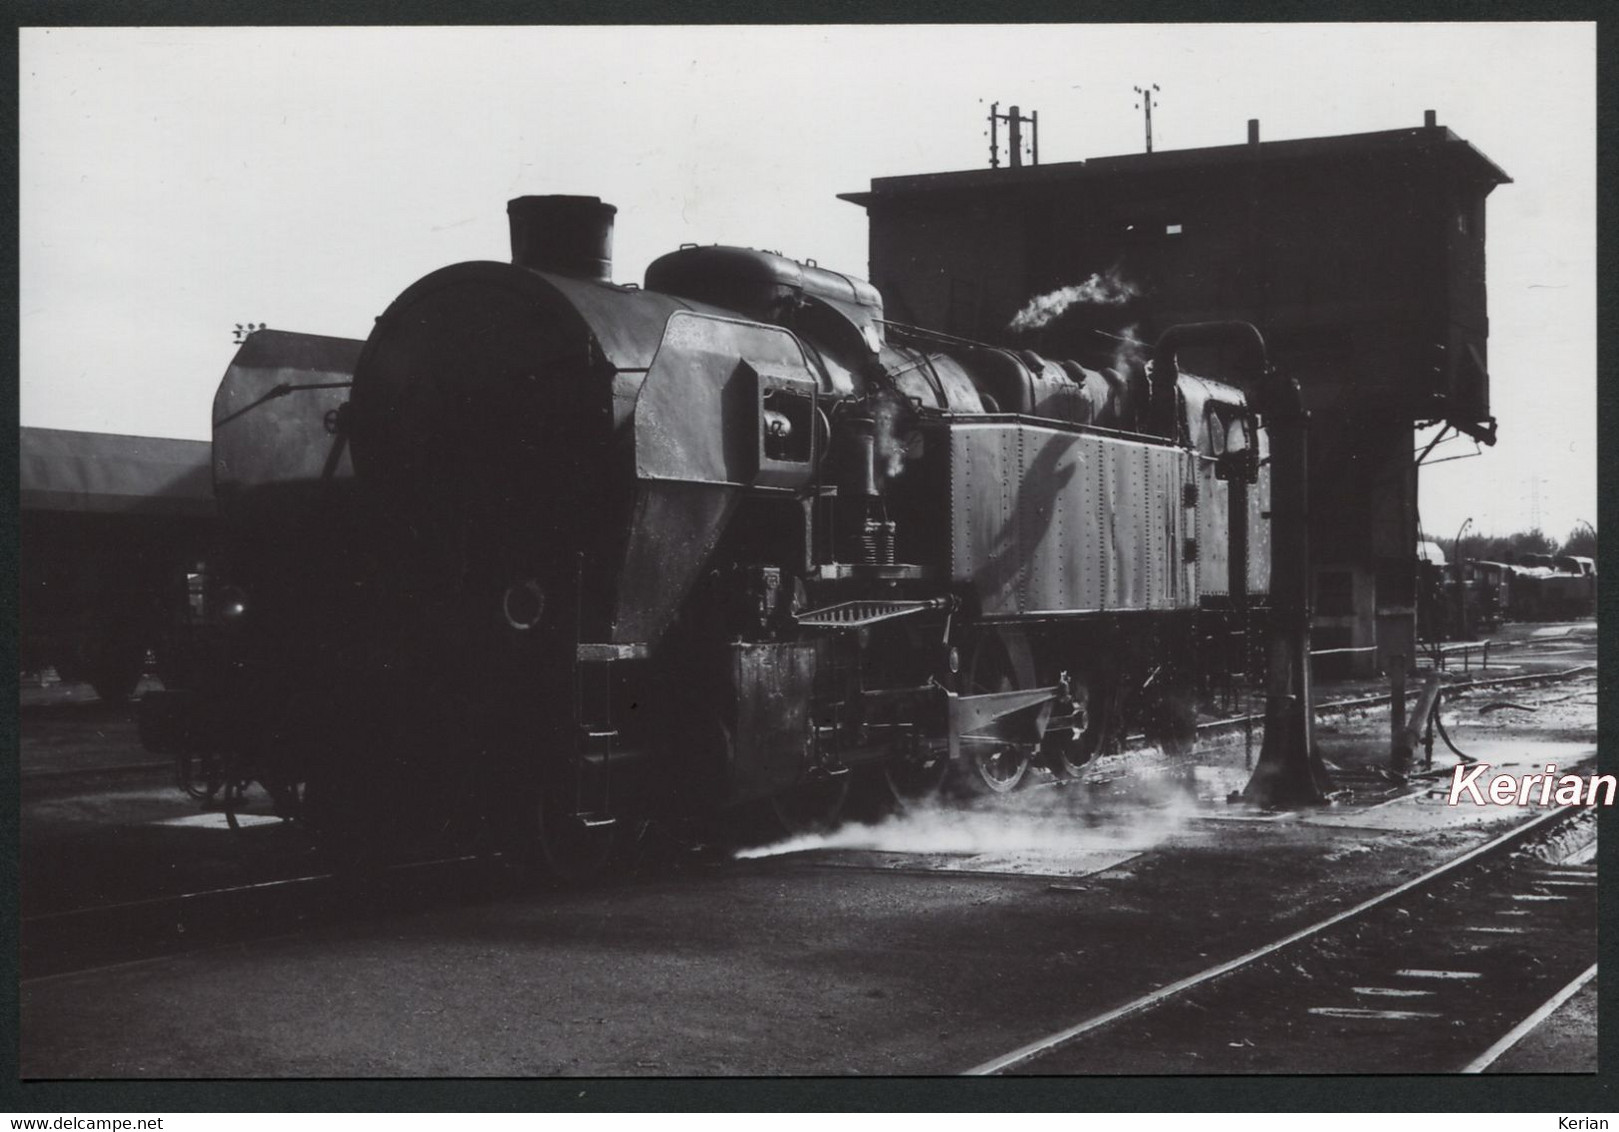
(1131, 352)
(1036, 825)
(895, 434)
(1099, 290)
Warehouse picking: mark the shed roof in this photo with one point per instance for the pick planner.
(61, 470)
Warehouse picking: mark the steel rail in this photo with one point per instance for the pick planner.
(1052, 1042)
(1518, 1032)
(93, 771)
(175, 899)
(314, 884)
(1383, 698)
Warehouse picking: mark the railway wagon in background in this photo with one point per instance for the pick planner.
(112, 531)
(1549, 587)
(568, 552)
(1458, 600)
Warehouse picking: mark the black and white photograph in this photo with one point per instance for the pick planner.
(808, 551)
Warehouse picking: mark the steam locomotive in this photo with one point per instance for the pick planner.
(547, 552)
(1544, 587)
(1457, 601)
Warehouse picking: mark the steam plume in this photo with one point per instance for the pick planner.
(1099, 290)
(1131, 351)
(893, 435)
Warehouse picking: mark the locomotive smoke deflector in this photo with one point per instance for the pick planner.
(567, 235)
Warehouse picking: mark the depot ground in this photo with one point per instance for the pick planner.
(920, 946)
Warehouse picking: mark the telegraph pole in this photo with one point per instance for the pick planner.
(1146, 94)
(1014, 142)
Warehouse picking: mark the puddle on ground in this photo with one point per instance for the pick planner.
(1428, 806)
(1076, 863)
(216, 820)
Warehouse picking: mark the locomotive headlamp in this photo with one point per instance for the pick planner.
(231, 605)
(523, 604)
(777, 425)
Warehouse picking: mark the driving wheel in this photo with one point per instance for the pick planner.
(991, 765)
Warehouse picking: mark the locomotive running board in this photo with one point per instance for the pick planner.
(858, 614)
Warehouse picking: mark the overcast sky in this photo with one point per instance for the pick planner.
(177, 181)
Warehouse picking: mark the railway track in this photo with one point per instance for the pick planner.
(1422, 978)
(1354, 703)
(60, 943)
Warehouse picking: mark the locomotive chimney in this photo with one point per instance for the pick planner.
(567, 235)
